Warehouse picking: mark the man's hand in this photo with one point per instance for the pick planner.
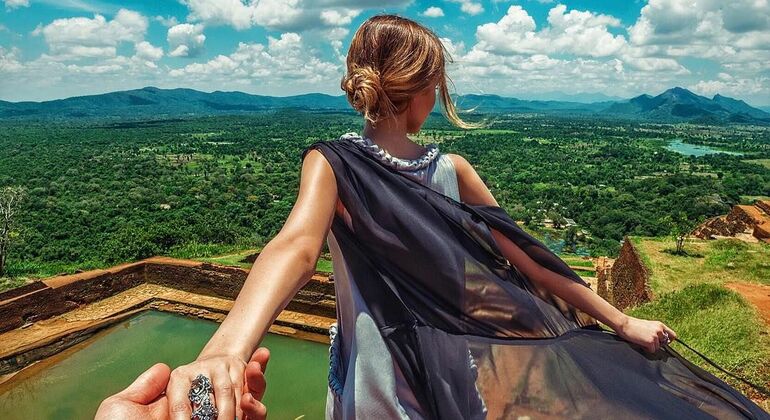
(141, 400)
(254, 387)
(145, 398)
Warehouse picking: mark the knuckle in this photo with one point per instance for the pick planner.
(179, 407)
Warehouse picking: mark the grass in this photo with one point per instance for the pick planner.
(727, 260)
(763, 162)
(716, 321)
(720, 324)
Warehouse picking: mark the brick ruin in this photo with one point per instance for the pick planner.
(752, 221)
(625, 281)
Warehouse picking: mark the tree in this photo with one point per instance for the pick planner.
(571, 239)
(680, 226)
(10, 198)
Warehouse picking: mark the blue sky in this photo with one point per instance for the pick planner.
(541, 49)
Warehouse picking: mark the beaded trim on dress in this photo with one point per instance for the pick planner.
(401, 164)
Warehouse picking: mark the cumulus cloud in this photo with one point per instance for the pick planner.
(470, 7)
(9, 60)
(185, 40)
(727, 32)
(282, 15)
(283, 60)
(576, 32)
(13, 4)
(147, 51)
(433, 11)
(574, 51)
(79, 37)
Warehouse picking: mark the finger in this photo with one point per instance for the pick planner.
(148, 386)
(178, 403)
(261, 356)
(662, 338)
(671, 333)
(255, 380)
(223, 394)
(253, 409)
(238, 381)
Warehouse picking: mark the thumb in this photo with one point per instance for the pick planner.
(148, 386)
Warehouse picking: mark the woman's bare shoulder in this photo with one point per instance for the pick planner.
(472, 188)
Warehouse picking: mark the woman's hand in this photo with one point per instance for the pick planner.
(236, 388)
(648, 334)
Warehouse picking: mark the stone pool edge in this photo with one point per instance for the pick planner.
(63, 311)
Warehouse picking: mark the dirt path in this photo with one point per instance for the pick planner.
(757, 294)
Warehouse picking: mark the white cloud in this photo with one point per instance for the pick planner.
(735, 87)
(185, 40)
(9, 60)
(283, 15)
(470, 7)
(575, 32)
(80, 37)
(13, 4)
(433, 12)
(726, 32)
(167, 21)
(222, 12)
(147, 51)
(284, 60)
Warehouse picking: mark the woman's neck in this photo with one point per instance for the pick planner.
(392, 137)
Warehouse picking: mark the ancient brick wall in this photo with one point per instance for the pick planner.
(624, 282)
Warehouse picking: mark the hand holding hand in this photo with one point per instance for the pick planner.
(144, 398)
(140, 400)
(232, 380)
(649, 334)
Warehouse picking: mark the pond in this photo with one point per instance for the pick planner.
(557, 245)
(696, 150)
(73, 386)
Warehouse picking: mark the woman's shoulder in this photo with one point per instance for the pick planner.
(460, 164)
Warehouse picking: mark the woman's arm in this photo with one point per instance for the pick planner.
(285, 264)
(646, 333)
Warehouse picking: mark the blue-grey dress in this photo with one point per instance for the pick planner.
(364, 381)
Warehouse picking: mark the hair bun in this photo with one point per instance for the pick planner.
(363, 87)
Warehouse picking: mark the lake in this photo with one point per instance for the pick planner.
(697, 150)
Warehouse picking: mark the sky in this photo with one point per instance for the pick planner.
(530, 49)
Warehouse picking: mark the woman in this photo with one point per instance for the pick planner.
(446, 309)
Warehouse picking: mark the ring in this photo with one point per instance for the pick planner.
(665, 335)
(200, 389)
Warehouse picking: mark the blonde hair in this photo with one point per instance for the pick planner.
(390, 59)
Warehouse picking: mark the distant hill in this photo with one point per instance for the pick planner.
(155, 102)
(677, 104)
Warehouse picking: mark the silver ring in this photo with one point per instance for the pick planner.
(203, 408)
(665, 335)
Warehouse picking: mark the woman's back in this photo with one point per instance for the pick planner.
(364, 381)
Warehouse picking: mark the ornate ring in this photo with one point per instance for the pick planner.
(203, 408)
(665, 335)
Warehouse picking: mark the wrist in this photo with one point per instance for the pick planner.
(218, 353)
(620, 323)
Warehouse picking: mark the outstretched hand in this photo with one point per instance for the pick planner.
(649, 334)
(145, 398)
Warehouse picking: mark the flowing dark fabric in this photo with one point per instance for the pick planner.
(438, 287)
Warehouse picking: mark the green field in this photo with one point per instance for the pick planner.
(716, 321)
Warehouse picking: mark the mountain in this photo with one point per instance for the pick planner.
(584, 97)
(155, 102)
(679, 104)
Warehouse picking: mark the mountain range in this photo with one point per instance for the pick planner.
(674, 105)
